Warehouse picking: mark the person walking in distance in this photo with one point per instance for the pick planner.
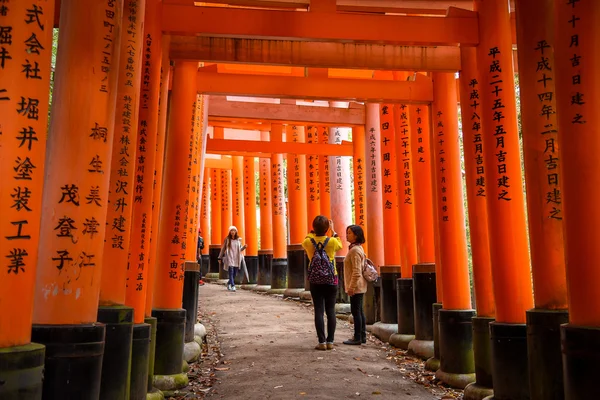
(323, 277)
(199, 249)
(354, 282)
(231, 254)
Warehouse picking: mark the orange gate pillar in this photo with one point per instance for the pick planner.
(578, 101)
(76, 195)
(27, 39)
(457, 367)
(407, 232)
(540, 150)
(359, 168)
(313, 201)
(323, 177)
(205, 222)
(237, 205)
(470, 100)
(168, 288)
(389, 272)
(226, 215)
(279, 264)
(216, 238)
(296, 184)
(506, 211)
(265, 254)
(339, 179)
(374, 199)
(426, 291)
(112, 311)
(156, 204)
(250, 206)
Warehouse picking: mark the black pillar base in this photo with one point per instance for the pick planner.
(296, 260)
(509, 361)
(279, 274)
(151, 350)
(73, 364)
(405, 306)
(389, 275)
(204, 265)
(21, 372)
(252, 267)
(482, 351)
(544, 353)
(457, 365)
(371, 302)
(581, 358)
(170, 328)
(116, 364)
(342, 296)
(213, 258)
(265, 259)
(140, 351)
(190, 298)
(424, 296)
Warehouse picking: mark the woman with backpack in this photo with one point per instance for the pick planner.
(354, 282)
(323, 277)
(231, 255)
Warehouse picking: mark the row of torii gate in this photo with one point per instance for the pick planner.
(103, 191)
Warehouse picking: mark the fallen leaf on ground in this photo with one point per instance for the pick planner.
(277, 387)
(221, 369)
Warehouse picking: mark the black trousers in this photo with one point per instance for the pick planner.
(358, 313)
(323, 297)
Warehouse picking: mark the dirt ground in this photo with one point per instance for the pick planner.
(262, 347)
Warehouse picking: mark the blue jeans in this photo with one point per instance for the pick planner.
(232, 274)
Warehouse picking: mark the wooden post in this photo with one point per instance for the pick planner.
(323, 171)
(313, 178)
(360, 179)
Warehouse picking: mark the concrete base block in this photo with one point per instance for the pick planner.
(276, 291)
(421, 348)
(459, 381)
(293, 292)
(191, 351)
(170, 382)
(262, 288)
(306, 295)
(342, 308)
(155, 394)
(211, 277)
(248, 286)
(473, 391)
(222, 282)
(401, 340)
(383, 331)
(199, 330)
(432, 364)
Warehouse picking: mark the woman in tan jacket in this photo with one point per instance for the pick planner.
(354, 283)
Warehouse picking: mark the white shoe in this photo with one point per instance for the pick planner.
(228, 286)
(233, 288)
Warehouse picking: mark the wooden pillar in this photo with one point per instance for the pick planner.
(313, 178)
(226, 215)
(279, 265)
(204, 213)
(171, 252)
(323, 173)
(578, 100)
(27, 39)
(296, 181)
(266, 205)
(360, 179)
(194, 169)
(456, 359)
(389, 183)
(340, 194)
(159, 159)
(238, 196)
(406, 182)
(423, 195)
(216, 236)
(544, 204)
(470, 100)
(373, 186)
(506, 212)
(250, 206)
(75, 192)
(24, 116)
